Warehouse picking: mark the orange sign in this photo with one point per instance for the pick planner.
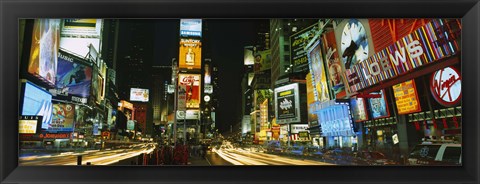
(190, 54)
(406, 97)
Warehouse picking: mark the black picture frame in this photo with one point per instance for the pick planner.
(12, 10)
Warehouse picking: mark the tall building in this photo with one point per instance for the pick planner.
(280, 32)
(134, 61)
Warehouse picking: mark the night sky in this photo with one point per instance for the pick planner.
(227, 38)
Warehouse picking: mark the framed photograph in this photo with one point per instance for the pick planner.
(91, 92)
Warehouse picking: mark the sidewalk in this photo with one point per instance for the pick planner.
(198, 161)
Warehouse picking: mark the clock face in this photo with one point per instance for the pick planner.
(354, 43)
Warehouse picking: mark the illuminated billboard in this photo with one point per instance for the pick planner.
(98, 82)
(359, 109)
(317, 69)
(190, 56)
(190, 27)
(298, 42)
(62, 118)
(430, 43)
(333, 66)
(192, 83)
(287, 106)
(37, 102)
(262, 60)
(78, 35)
(446, 86)
(312, 117)
(406, 97)
(29, 124)
(74, 78)
(44, 49)
(378, 106)
(139, 95)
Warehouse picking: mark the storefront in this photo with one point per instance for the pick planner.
(337, 126)
(421, 79)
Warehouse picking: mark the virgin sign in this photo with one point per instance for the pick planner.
(446, 86)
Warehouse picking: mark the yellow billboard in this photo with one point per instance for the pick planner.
(190, 54)
(406, 97)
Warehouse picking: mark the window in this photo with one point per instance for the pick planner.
(452, 155)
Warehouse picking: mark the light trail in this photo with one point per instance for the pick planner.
(246, 157)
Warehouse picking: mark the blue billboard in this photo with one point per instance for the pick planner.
(191, 28)
(37, 102)
(73, 77)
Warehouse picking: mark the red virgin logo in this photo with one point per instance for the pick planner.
(446, 86)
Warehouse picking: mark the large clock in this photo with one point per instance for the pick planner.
(354, 43)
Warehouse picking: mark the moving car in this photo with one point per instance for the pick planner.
(372, 158)
(274, 147)
(297, 150)
(429, 153)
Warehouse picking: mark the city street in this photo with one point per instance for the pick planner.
(95, 157)
(241, 156)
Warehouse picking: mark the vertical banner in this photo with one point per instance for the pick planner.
(317, 68)
(312, 117)
(181, 98)
(44, 49)
(337, 79)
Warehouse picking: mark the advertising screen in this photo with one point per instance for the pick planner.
(336, 120)
(74, 77)
(378, 106)
(139, 95)
(317, 69)
(287, 108)
(298, 42)
(248, 56)
(44, 49)
(78, 35)
(62, 118)
(190, 54)
(262, 60)
(190, 27)
(29, 124)
(192, 83)
(406, 97)
(335, 71)
(359, 109)
(37, 102)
